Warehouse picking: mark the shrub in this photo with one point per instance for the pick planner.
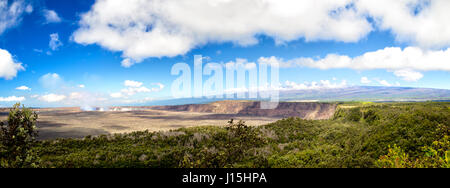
(241, 139)
(225, 149)
(370, 116)
(396, 158)
(437, 155)
(354, 115)
(17, 138)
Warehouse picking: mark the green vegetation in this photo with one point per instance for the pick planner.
(17, 138)
(361, 135)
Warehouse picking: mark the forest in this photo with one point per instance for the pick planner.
(360, 135)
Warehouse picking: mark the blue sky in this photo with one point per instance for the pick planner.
(84, 66)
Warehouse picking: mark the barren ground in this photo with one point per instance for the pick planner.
(74, 123)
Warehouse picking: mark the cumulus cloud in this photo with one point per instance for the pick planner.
(405, 62)
(12, 99)
(133, 90)
(130, 83)
(54, 43)
(8, 66)
(64, 93)
(23, 88)
(134, 101)
(323, 84)
(116, 95)
(127, 63)
(392, 58)
(51, 98)
(51, 16)
(384, 83)
(154, 28)
(159, 88)
(29, 9)
(365, 80)
(11, 13)
(409, 75)
(135, 87)
(76, 96)
(38, 50)
(419, 22)
(291, 86)
(51, 80)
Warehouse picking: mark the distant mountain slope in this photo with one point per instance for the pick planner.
(357, 93)
(367, 93)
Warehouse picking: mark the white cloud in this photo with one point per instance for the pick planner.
(384, 83)
(239, 90)
(127, 63)
(38, 50)
(159, 88)
(133, 90)
(54, 43)
(239, 63)
(131, 83)
(51, 16)
(409, 75)
(11, 13)
(365, 80)
(412, 59)
(75, 96)
(419, 22)
(290, 86)
(153, 28)
(8, 66)
(23, 88)
(391, 58)
(12, 99)
(51, 80)
(323, 84)
(116, 95)
(51, 98)
(135, 87)
(65, 93)
(29, 9)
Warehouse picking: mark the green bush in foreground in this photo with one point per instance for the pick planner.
(435, 156)
(235, 145)
(17, 138)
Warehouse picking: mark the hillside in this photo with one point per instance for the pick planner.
(251, 108)
(368, 93)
